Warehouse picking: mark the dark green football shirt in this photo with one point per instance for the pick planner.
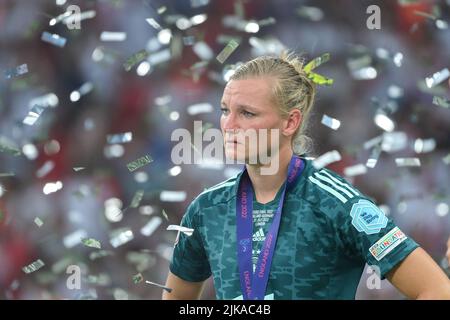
(328, 231)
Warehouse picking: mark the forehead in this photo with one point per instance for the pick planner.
(249, 90)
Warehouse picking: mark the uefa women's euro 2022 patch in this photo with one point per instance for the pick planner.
(367, 217)
(387, 243)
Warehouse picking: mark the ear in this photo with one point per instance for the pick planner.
(292, 123)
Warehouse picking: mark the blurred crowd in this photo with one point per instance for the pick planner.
(97, 195)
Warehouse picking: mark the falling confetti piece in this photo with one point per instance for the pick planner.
(437, 78)
(38, 222)
(113, 36)
(135, 59)
(407, 162)
(53, 39)
(119, 138)
(138, 278)
(142, 161)
(330, 122)
(159, 285)
(441, 102)
(326, 159)
(32, 267)
(33, 115)
(137, 199)
(90, 242)
(121, 236)
(17, 71)
(151, 226)
(186, 231)
(227, 51)
(172, 196)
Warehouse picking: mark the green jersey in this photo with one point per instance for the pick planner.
(328, 232)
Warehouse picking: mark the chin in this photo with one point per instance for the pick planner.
(235, 156)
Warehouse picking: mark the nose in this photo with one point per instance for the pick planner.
(230, 122)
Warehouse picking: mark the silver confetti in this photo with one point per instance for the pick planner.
(394, 141)
(45, 101)
(161, 9)
(446, 159)
(119, 137)
(159, 285)
(153, 23)
(407, 162)
(172, 196)
(121, 236)
(326, 159)
(355, 170)
(113, 36)
(38, 222)
(52, 187)
(437, 78)
(17, 71)
(198, 3)
(424, 145)
(330, 122)
(186, 231)
(267, 22)
(151, 226)
(374, 155)
(53, 39)
(33, 115)
(71, 240)
(311, 13)
(45, 169)
(159, 57)
(7, 174)
(199, 108)
(203, 51)
(83, 90)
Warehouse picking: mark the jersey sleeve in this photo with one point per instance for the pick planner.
(364, 232)
(189, 260)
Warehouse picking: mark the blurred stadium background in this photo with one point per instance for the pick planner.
(63, 170)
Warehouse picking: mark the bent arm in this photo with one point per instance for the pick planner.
(447, 254)
(182, 289)
(419, 277)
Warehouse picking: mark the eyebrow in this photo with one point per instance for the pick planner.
(246, 106)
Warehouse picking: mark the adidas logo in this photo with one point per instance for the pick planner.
(259, 235)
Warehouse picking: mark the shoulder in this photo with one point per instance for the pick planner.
(330, 193)
(222, 192)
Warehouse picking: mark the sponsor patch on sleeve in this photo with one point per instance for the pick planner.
(367, 217)
(387, 243)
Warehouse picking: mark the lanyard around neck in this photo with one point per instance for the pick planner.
(253, 284)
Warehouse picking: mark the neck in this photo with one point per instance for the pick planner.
(266, 186)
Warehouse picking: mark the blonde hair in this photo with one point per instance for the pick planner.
(292, 90)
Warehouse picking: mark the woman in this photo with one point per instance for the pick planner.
(301, 233)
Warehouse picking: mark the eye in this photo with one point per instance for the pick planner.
(248, 114)
(224, 111)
